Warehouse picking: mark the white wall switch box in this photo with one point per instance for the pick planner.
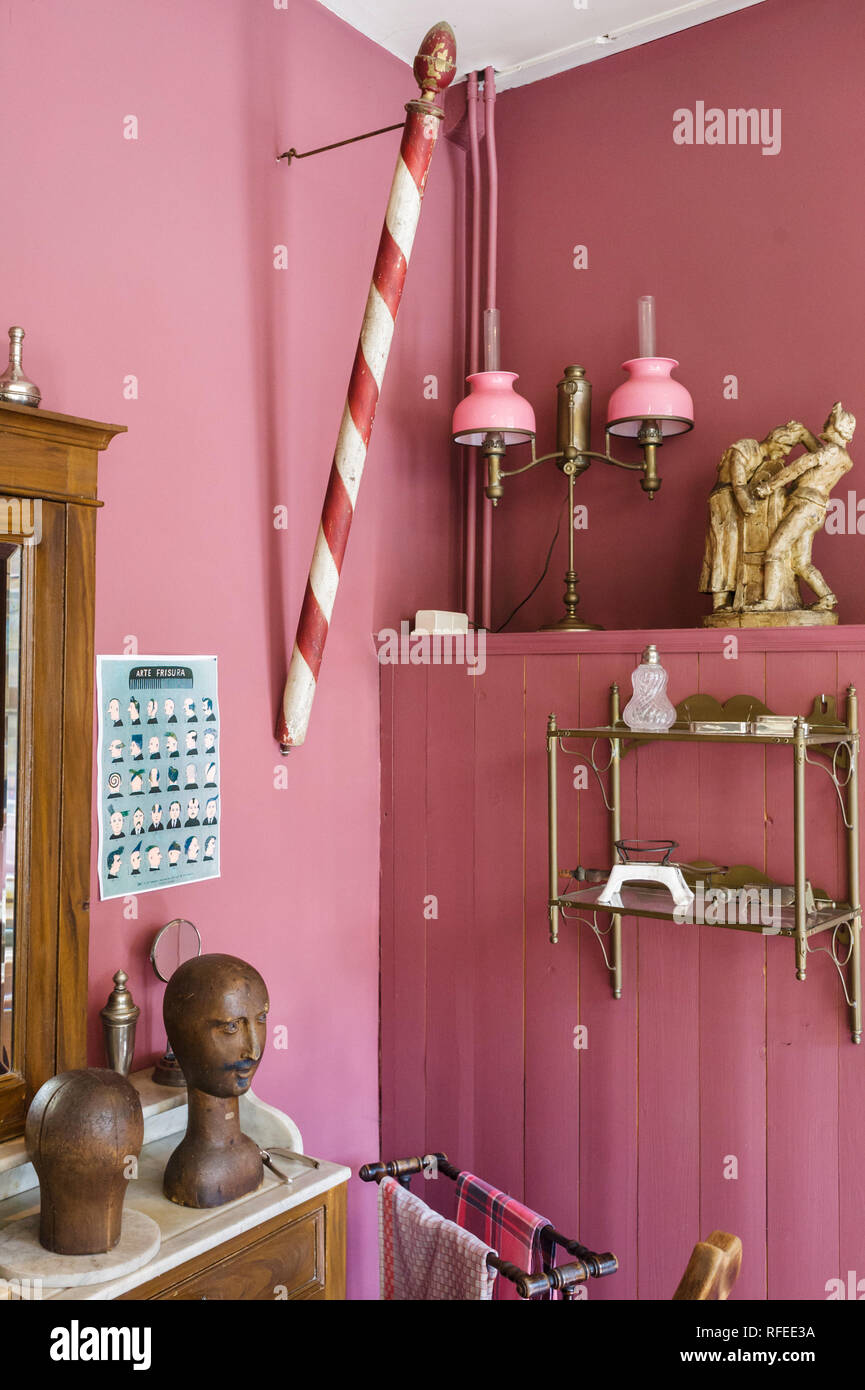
(435, 620)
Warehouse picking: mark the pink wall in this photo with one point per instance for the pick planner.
(155, 258)
(715, 1048)
(755, 262)
(714, 1051)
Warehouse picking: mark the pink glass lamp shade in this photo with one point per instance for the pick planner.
(493, 407)
(650, 393)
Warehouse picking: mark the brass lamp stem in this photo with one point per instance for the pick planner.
(493, 450)
(570, 622)
(573, 456)
(650, 438)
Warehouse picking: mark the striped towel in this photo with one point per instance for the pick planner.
(515, 1231)
(424, 1256)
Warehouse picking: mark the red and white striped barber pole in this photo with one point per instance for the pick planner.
(434, 69)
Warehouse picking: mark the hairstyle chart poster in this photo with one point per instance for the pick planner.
(159, 808)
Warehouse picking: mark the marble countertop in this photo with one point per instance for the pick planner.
(186, 1231)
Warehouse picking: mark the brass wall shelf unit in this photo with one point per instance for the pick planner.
(821, 739)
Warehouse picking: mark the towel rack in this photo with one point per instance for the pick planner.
(585, 1265)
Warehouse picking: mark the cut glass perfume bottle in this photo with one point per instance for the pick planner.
(649, 710)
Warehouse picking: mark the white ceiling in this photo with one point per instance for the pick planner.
(525, 40)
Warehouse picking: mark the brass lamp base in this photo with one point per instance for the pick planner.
(571, 623)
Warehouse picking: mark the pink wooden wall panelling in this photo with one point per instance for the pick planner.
(805, 1025)
(388, 1021)
(404, 964)
(621, 1143)
(608, 1067)
(668, 965)
(731, 829)
(553, 1067)
(499, 925)
(451, 1005)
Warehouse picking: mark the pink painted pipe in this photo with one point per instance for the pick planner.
(492, 268)
(474, 349)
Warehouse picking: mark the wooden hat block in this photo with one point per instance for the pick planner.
(84, 1133)
(83, 1128)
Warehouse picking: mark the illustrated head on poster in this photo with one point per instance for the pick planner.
(148, 786)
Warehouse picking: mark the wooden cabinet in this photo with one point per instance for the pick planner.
(284, 1241)
(298, 1254)
(48, 504)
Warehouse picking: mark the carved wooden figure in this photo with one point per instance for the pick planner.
(739, 524)
(84, 1132)
(763, 517)
(215, 1012)
(814, 475)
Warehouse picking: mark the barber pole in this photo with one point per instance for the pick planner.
(434, 69)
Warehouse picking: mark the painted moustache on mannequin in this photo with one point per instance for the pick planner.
(215, 1012)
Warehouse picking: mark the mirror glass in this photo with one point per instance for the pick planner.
(176, 942)
(10, 666)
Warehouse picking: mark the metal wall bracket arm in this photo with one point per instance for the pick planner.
(599, 932)
(839, 781)
(841, 965)
(289, 155)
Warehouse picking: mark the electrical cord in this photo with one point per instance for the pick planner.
(534, 589)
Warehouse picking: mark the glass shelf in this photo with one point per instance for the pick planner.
(645, 901)
(684, 735)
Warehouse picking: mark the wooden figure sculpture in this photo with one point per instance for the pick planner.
(763, 516)
(83, 1130)
(215, 1012)
(735, 514)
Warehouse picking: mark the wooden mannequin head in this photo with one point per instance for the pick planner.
(83, 1128)
(215, 1012)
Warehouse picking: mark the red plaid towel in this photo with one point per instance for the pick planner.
(423, 1255)
(515, 1231)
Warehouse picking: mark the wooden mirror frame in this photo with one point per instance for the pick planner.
(52, 458)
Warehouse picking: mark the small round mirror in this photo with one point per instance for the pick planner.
(173, 944)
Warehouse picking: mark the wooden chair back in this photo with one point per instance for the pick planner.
(712, 1269)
